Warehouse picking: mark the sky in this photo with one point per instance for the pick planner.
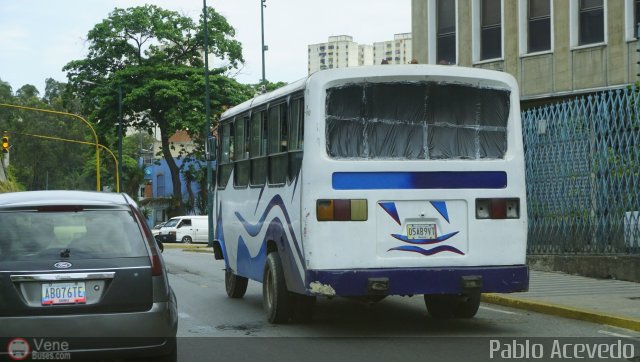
(38, 37)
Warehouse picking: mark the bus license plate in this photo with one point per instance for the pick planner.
(421, 231)
(63, 293)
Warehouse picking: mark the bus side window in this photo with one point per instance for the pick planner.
(226, 159)
(278, 160)
(296, 129)
(284, 127)
(258, 152)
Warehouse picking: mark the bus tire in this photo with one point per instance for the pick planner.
(467, 305)
(440, 306)
(276, 300)
(235, 285)
(302, 307)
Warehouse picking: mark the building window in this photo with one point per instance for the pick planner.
(591, 22)
(160, 186)
(490, 29)
(539, 22)
(636, 17)
(446, 28)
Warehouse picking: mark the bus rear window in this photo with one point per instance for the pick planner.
(417, 120)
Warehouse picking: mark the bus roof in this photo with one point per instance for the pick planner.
(455, 73)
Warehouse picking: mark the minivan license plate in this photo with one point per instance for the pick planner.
(63, 293)
(421, 231)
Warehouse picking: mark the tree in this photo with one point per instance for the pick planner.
(155, 57)
(38, 162)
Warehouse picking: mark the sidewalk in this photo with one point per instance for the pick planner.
(603, 301)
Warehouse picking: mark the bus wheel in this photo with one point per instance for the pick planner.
(440, 305)
(235, 285)
(275, 296)
(467, 305)
(303, 307)
(186, 239)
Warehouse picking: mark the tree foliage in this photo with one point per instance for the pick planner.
(154, 57)
(39, 163)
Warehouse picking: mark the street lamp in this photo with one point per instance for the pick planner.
(119, 176)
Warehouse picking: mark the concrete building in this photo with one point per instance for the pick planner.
(554, 48)
(396, 51)
(341, 52)
(338, 52)
(365, 54)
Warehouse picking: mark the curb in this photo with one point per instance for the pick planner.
(198, 251)
(563, 311)
(184, 246)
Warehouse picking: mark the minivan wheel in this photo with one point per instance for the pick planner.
(235, 285)
(186, 239)
(275, 296)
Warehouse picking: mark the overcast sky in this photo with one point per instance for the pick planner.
(38, 37)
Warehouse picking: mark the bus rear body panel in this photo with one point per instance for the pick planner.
(422, 234)
(398, 225)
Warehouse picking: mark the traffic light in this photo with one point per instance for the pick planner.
(5, 144)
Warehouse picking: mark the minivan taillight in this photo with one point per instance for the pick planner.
(156, 265)
(154, 257)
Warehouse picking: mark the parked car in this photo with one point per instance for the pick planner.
(83, 264)
(185, 229)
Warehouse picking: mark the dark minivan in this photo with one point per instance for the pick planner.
(82, 268)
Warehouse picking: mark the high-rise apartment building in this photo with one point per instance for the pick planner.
(396, 51)
(338, 52)
(341, 52)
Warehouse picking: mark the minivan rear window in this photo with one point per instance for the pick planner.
(86, 234)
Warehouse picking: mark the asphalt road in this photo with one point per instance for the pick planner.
(215, 327)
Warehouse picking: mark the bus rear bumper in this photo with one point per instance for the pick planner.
(409, 281)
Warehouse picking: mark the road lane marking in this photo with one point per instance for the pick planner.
(183, 315)
(615, 334)
(499, 310)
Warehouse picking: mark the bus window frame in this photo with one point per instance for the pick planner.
(279, 154)
(262, 112)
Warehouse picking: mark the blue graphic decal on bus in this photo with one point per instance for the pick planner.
(428, 252)
(254, 230)
(419, 180)
(251, 267)
(220, 234)
(441, 206)
(390, 208)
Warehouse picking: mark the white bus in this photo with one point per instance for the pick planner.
(374, 181)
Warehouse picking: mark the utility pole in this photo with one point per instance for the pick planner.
(264, 47)
(207, 128)
(119, 136)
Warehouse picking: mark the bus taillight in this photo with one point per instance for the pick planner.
(497, 209)
(341, 210)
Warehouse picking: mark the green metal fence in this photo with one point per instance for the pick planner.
(583, 164)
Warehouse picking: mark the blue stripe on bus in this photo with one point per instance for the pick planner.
(419, 180)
